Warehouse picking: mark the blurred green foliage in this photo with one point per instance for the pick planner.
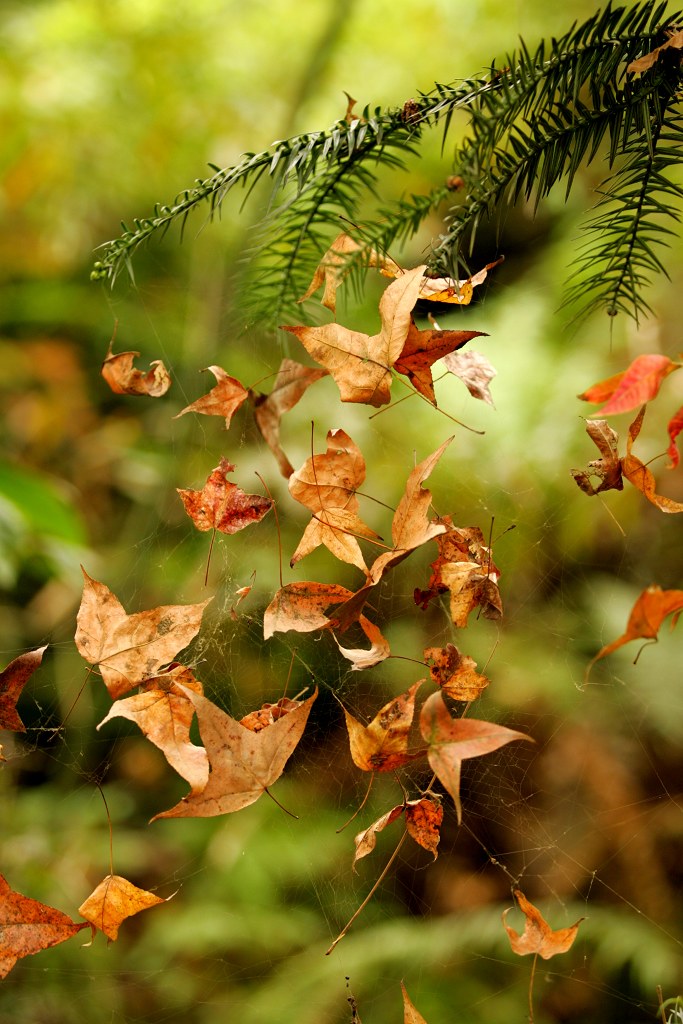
(107, 109)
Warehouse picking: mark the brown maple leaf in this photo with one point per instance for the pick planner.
(292, 381)
(455, 673)
(359, 363)
(423, 821)
(652, 606)
(27, 926)
(124, 379)
(538, 937)
(334, 265)
(422, 349)
(115, 899)
(608, 468)
(164, 714)
(644, 63)
(326, 484)
(637, 473)
(453, 740)
(12, 681)
(131, 648)
(222, 505)
(382, 745)
(464, 567)
(410, 1014)
(243, 763)
(222, 400)
(269, 713)
(447, 289)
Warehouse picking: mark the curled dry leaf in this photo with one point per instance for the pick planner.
(422, 349)
(131, 648)
(27, 926)
(475, 371)
(12, 681)
(382, 745)
(326, 484)
(675, 41)
(464, 567)
(455, 673)
(361, 364)
(222, 400)
(362, 658)
(647, 615)
(423, 821)
(124, 379)
(164, 714)
(674, 428)
(115, 899)
(243, 762)
(334, 264)
(292, 381)
(453, 740)
(222, 505)
(538, 937)
(637, 473)
(447, 289)
(410, 1014)
(608, 468)
(639, 383)
(268, 714)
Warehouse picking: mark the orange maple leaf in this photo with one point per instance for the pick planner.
(124, 379)
(422, 349)
(27, 926)
(222, 505)
(455, 673)
(639, 383)
(423, 821)
(674, 427)
(222, 400)
(538, 937)
(12, 681)
(115, 899)
(464, 567)
(637, 473)
(382, 745)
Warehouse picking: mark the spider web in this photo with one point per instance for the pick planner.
(586, 821)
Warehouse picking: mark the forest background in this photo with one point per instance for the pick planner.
(106, 110)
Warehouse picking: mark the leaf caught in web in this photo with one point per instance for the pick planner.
(382, 745)
(222, 505)
(423, 821)
(637, 473)
(243, 762)
(410, 1014)
(453, 740)
(131, 648)
(455, 673)
(474, 370)
(422, 349)
(27, 927)
(646, 618)
(464, 567)
(447, 289)
(124, 379)
(334, 265)
(292, 381)
(639, 383)
(12, 681)
(538, 937)
(608, 468)
(674, 427)
(222, 400)
(645, 62)
(115, 899)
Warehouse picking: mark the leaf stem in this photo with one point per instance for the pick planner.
(531, 989)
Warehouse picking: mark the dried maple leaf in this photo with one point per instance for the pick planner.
(639, 383)
(292, 380)
(361, 364)
(131, 648)
(538, 937)
(474, 370)
(423, 821)
(243, 763)
(637, 473)
(647, 615)
(326, 484)
(164, 714)
(12, 681)
(608, 468)
(422, 349)
(334, 265)
(453, 740)
(27, 926)
(115, 899)
(410, 1014)
(222, 400)
(464, 567)
(674, 428)
(447, 289)
(360, 657)
(675, 41)
(455, 673)
(222, 505)
(124, 379)
(268, 714)
(382, 745)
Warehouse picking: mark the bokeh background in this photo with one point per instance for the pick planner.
(108, 108)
